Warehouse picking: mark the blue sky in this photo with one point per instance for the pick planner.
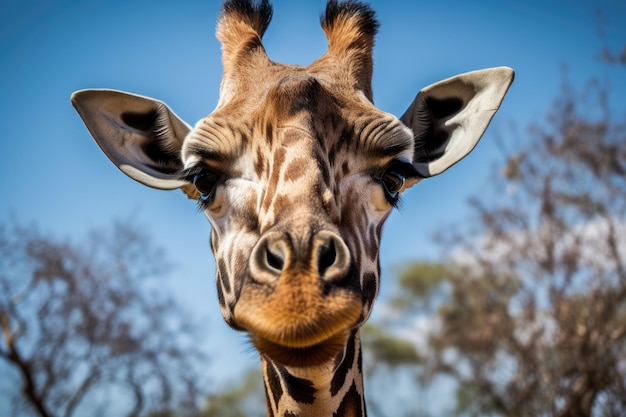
(53, 172)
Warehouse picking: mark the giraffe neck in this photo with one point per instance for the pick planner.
(334, 389)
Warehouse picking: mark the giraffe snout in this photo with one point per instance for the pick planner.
(295, 305)
(323, 255)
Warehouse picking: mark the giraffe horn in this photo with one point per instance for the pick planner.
(240, 27)
(350, 27)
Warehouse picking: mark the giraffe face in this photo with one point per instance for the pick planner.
(297, 188)
(296, 171)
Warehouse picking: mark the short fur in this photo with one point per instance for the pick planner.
(350, 27)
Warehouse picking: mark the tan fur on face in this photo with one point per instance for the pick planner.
(296, 319)
(297, 313)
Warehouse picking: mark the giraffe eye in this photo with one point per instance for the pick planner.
(206, 182)
(393, 182)
(393, 179)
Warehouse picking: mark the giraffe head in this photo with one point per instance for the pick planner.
(296, 170)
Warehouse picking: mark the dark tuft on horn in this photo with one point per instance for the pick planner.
(258, 15)
(350, 27)
(351, 9)
(240, 27)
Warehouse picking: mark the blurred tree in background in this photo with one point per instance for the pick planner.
(246, 398)
(527, 313)
(88, 324)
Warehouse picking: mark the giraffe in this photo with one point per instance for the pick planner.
(297, 170)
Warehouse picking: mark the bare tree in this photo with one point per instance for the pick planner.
(528, 313)
(88, 325)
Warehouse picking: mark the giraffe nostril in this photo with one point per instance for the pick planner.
(274, 260)
(326, 257)
(333, 257)
(268, 258)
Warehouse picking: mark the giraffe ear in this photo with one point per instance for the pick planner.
(449, 117)
(140, 135)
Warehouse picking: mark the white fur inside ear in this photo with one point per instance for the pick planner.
(140, 135)
(447, 133)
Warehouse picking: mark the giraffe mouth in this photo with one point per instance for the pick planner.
(299, 324)
(310, 341)
(302, 357)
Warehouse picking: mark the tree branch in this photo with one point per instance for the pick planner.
(29, 389)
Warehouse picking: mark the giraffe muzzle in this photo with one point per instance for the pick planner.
(297, 299)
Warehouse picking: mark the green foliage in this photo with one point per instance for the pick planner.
(419, 282)
(388, 349)
(245, 399)
(476, 316)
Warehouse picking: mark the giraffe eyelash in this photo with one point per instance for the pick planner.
(393, 179)
(188, 174)
(205, 180)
